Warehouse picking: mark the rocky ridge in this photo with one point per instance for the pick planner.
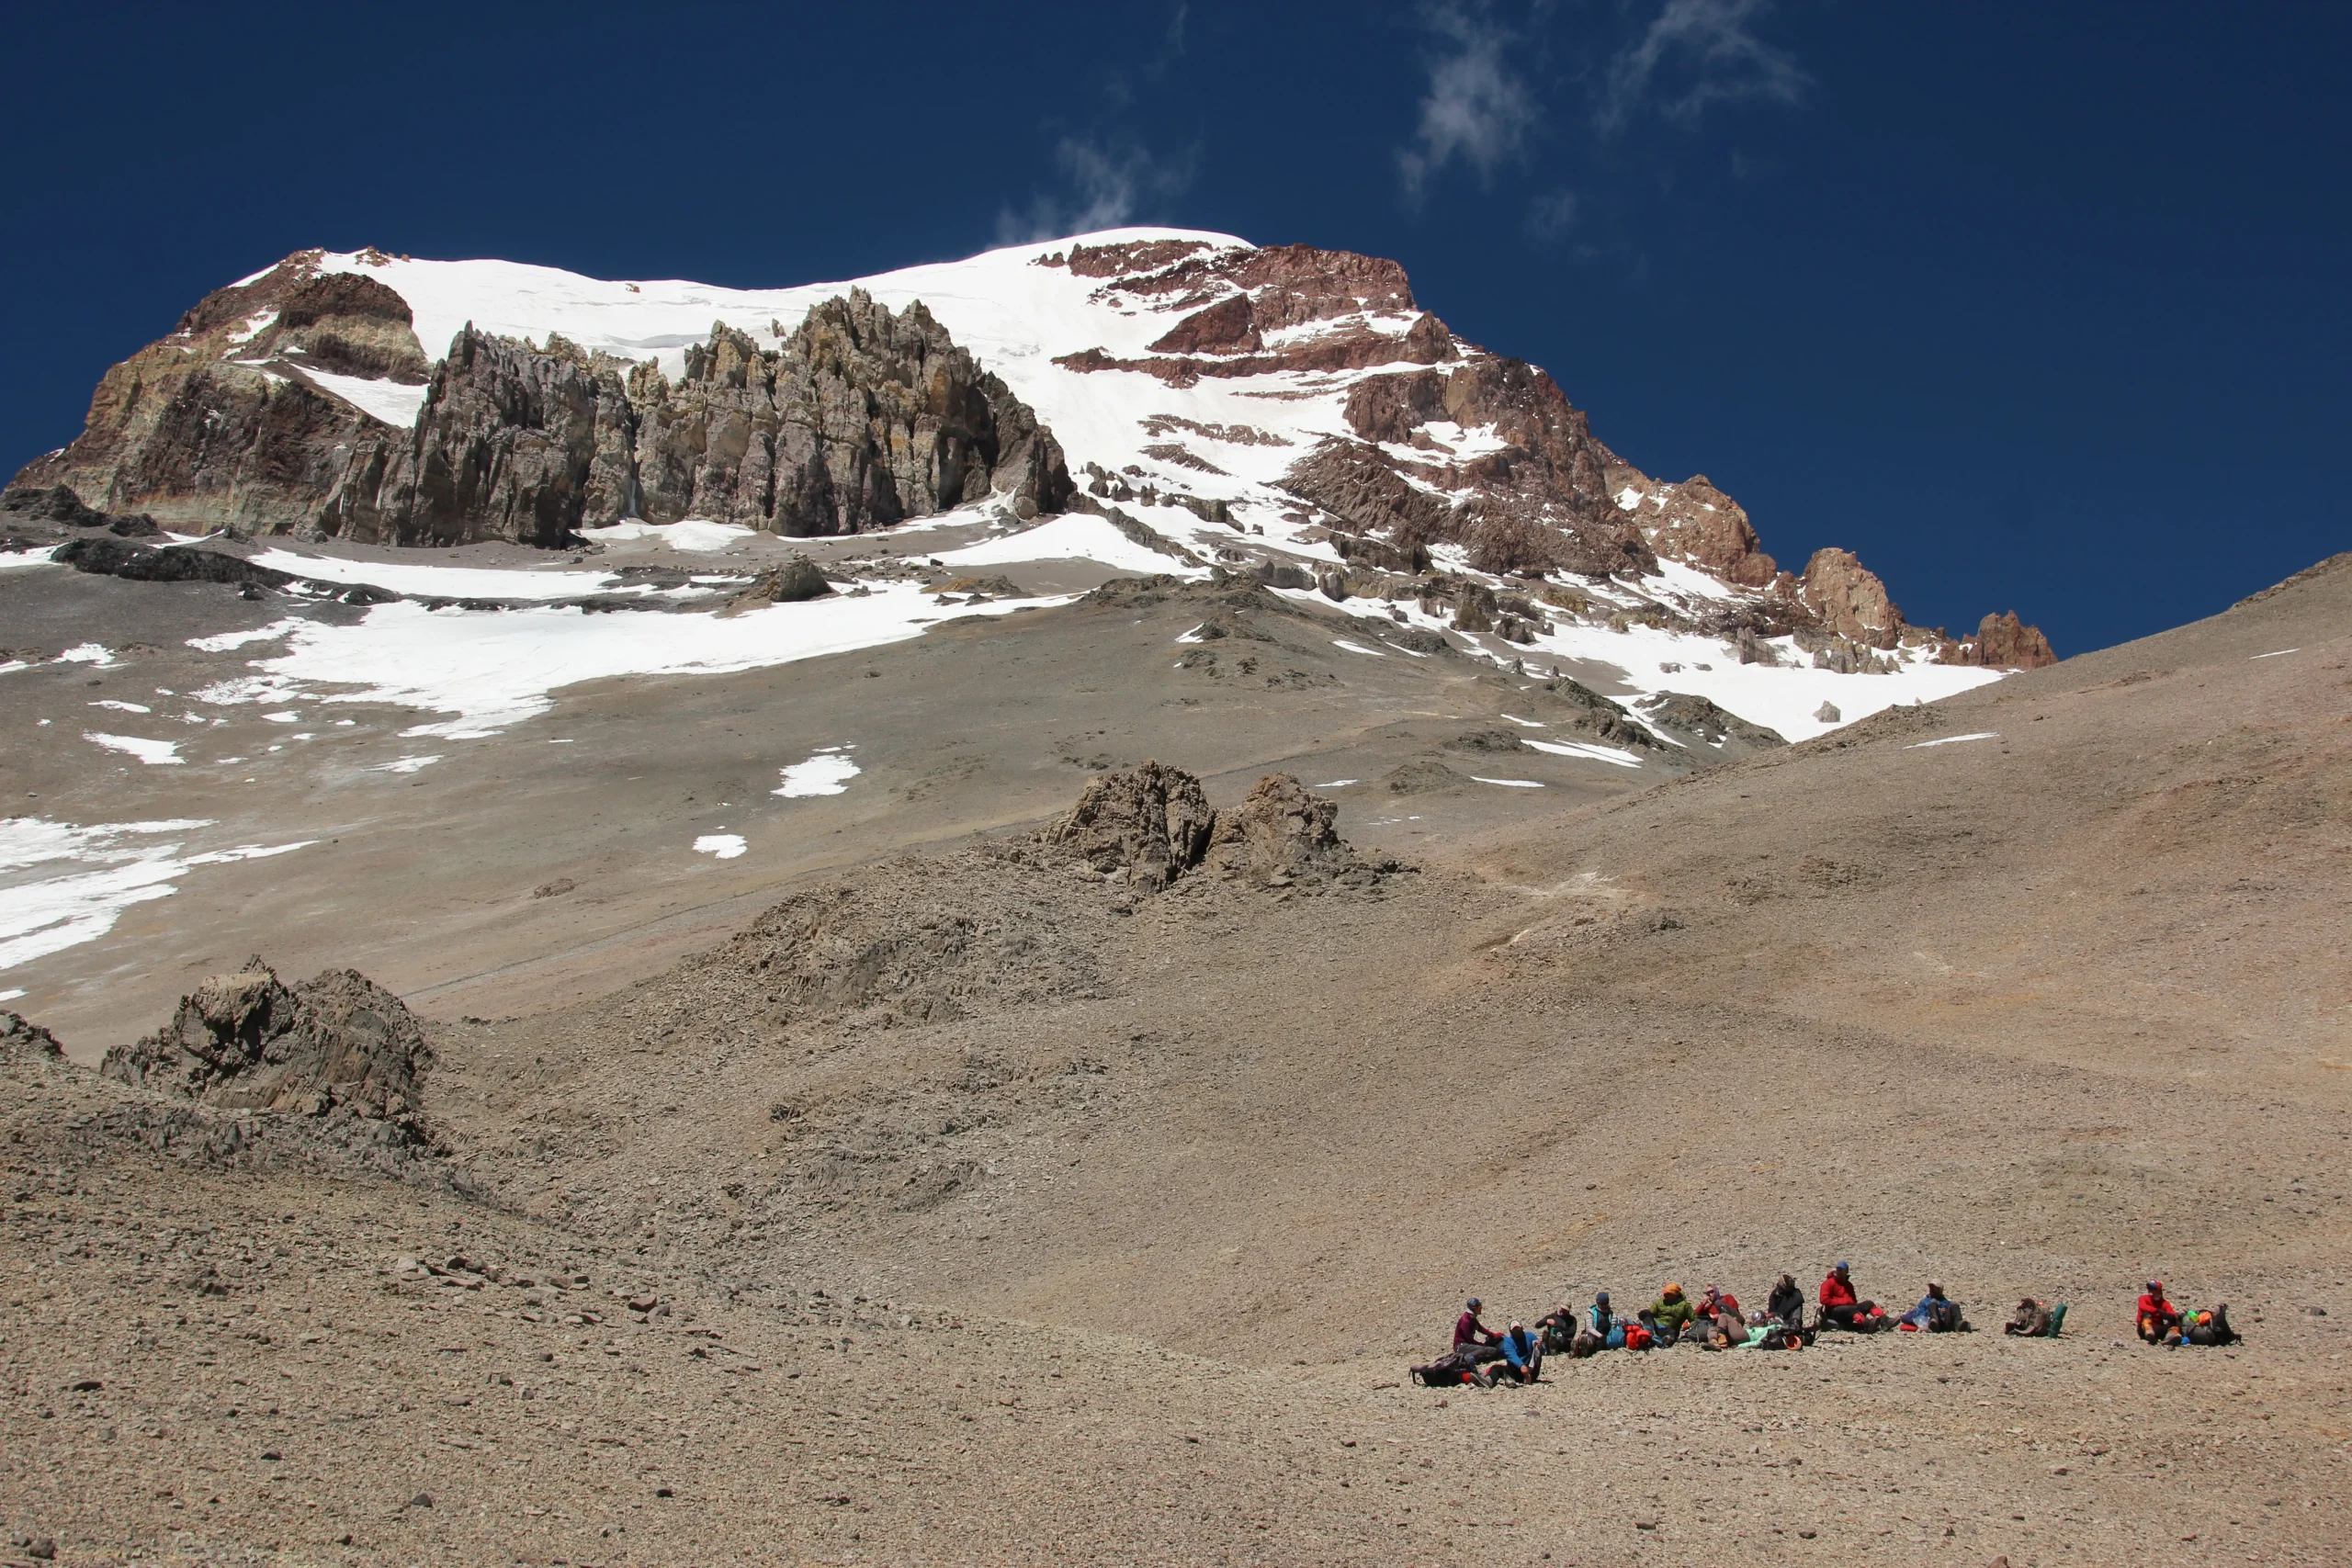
(1437, 472)
(1456, 445)
(243, 419)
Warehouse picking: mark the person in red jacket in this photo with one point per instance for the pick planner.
(2159, 1319)
(1841, 1307)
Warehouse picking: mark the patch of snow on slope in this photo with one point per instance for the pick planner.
(1074, 536)
(228, 640)
(1512, 783)
(430, 582)
(10, 560)
(391, 401)
(699, 534)
(827, 773)
(1955, 740)
(1624, 665)
(43, 910)
(494, 669)
(1588, 750)
(154, 754)
(726, 846)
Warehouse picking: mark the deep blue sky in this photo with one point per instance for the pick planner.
(2035, 305)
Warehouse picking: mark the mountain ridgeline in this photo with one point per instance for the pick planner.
(243, 419)
(303, 403)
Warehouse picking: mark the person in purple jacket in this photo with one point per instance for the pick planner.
(1472, 1341)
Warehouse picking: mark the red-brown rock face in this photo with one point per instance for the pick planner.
(2003, 642)
(1695, 522)
(1850, 599)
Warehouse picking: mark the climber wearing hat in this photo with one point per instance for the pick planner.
(2159, 1319)
(1842, 1308)
(1668, 1315)
(1473, 1340)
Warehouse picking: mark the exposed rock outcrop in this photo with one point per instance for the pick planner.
(335, 1044)
(21, 1040)
(2003, 642)
(1701, 720)
(1694, 522)
(1850, 599)
(789, 583)
(1152, 824)
(859, 418)
(1279, 832)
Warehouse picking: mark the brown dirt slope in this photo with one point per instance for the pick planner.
(2047, 1010)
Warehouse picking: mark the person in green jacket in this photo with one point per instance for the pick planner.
(1668, 1315)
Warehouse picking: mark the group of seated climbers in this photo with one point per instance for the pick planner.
(2161, 1322)
(1482, 1356)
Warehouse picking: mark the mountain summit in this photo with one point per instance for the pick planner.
(1274, 407)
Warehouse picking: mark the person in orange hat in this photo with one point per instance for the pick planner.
(1668, 1315)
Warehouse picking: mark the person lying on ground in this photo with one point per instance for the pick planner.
(1840, 1308)
(2210, 1328)
(1787, 1301)
(1451, 1370)
(1721, 1330)
(1472, 1337)
(1592, 1333)
(2159, 1320)
(1668, 1315)
(2033, 1320)
(1936, 1314)
(1522, 1355)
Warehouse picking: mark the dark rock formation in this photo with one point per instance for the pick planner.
(863, 417)
(513, 443)
(337, 1043)
(57, 503)
(1592, 714)
(790, 583)
(1280, 831)
(1703, 720)
(21, 1040)
(1151, 823)
(107, 557)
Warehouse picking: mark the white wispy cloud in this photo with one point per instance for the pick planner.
(1478, 110)
(1694, 54)
(1107, 187)
(1549, 216)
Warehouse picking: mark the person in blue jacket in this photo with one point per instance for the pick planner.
(1522, 1355)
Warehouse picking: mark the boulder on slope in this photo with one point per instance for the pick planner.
(247, 1041)
(1152, 823)
(22, 1040)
